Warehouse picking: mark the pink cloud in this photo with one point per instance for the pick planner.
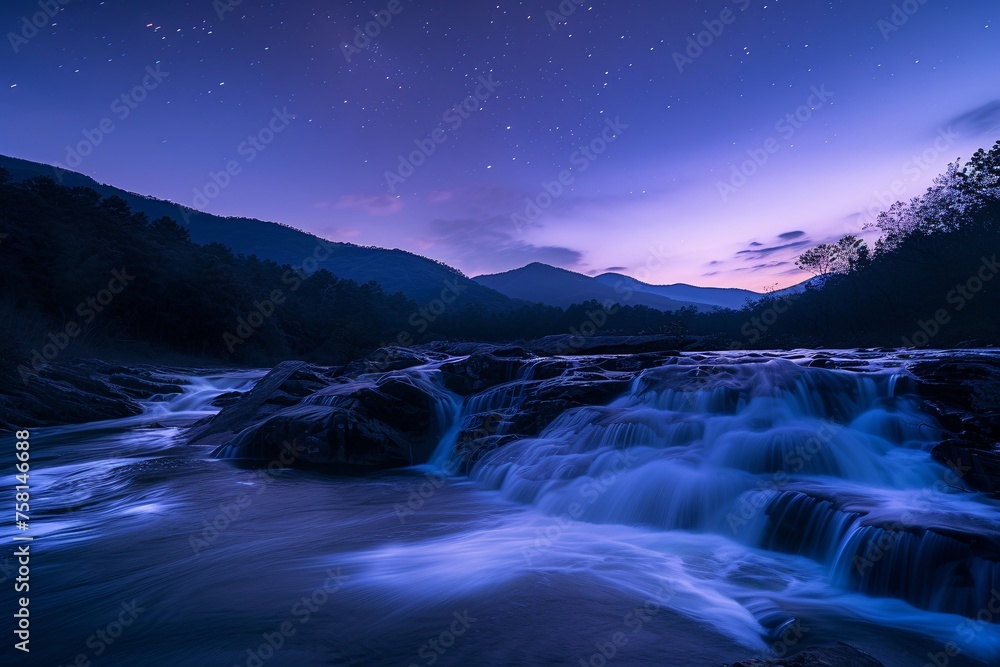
(377, 205)
(439, 196)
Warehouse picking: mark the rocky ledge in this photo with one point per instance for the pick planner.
(81, 391)
(837, 655)
(391, 408)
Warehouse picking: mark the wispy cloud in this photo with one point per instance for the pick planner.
(372, 205)
(491, 245)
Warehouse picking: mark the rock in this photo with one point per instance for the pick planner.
(963, 392)
(837, 655)
(569, 345)
(977, 465)
(549, 399)
(302, 416)
(80, 391)
(284, 386)
(481, 371)
(388, 359)
(227, 399)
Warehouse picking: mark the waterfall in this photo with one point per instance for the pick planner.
(823, 464)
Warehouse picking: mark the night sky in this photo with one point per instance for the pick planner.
(646, 137)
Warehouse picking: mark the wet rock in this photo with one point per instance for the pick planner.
(974, 464)
(389, 359)
(480, 371)
(301, 415)
(284, 386)
(569, 345)
(227, 399)
(838, 655)
(963, 392)
(549, 399)
(80, 391)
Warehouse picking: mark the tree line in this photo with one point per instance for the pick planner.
(929, 281)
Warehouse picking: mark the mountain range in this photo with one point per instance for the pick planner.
(559, 287)
(419, 278)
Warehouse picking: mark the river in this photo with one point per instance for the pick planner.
(668, 528)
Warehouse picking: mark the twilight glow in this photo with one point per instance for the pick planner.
(710, 142)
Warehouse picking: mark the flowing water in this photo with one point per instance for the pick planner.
(758, 510)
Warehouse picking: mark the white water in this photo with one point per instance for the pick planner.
(697, 495)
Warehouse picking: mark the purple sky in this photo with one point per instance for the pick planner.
(890, 101)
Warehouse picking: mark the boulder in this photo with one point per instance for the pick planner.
(837, 655)
(80, 391)
(305, 416)
(963, 392)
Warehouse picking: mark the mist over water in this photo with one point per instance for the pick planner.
(743, 510)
